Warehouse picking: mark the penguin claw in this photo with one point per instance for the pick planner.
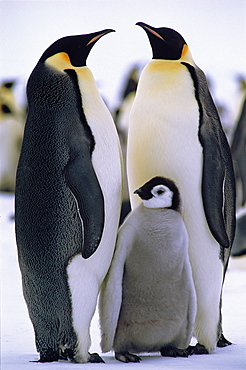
(95, 358)
(66, 354)
(174, 352)
(48, 356)
(198, 349)
(126, 357)
(223, 342)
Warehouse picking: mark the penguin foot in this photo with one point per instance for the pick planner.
(48, 355)
(95, 358)
(126, 357)
(223, 342)
(174, 352)
(198, 349)
(66, 354)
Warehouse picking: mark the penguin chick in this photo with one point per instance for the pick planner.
(148, 300)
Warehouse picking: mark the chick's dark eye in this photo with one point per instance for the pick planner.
(159, 192)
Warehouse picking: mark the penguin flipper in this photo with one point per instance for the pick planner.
(212, 190)
(83, 183)
(218, 186)
(111, 291)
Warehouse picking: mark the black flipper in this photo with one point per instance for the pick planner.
(83, 183)
(218, 184)
(213, 178)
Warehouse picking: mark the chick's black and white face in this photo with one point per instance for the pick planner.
(162, 197)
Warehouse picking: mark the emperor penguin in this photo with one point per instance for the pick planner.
(148, 299)
(121, 116)
(175, 132)
(239, 155)
(11, 135)
(68, 198)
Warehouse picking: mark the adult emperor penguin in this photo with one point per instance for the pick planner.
(175, 132)
(148, 299)
(68, 198)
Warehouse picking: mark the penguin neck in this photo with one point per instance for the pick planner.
(94, 107)
(165, 79)
(87, 82)
(162, 67)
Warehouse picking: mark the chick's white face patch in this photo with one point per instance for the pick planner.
(162, 197)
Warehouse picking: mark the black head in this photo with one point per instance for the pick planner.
(5, 109)
(145, 192)
(165, 42)
(9, 84)
(76, 47)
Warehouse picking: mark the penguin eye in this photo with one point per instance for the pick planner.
(5, 108)
(159, 192)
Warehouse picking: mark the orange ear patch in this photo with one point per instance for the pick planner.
(59, 61)
(186, 55)
(184, 51)
(65, 57)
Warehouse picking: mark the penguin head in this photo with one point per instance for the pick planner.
(166, 43)
(71, 51)
(159, 192)
(7, 99)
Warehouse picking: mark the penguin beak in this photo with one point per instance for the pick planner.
(97, 36)
(91, 40)
(149, 29)
(142, 194)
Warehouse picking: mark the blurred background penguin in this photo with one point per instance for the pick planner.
(12, 118)
(121, 118)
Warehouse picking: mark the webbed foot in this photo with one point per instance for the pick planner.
(48, 355)
(66, 354)
(174, 352)
(126, 357)
(95, 358)
(198, 349)
(223, 342)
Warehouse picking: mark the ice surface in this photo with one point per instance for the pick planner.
(18, 347)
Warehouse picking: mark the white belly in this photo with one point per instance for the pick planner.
(106, 159)
(86, 276)
(163, 141)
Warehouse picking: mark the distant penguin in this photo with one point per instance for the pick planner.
(11, 135)
(175, 132)
(239, 244)
(127, 98)
(68, 197)
(121, 115)
(238, 151)
(148, 299)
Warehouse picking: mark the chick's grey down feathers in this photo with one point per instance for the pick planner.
(148, 299)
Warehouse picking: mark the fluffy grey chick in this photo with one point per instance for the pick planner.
(148, 299)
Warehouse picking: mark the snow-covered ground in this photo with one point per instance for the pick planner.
(18, 348)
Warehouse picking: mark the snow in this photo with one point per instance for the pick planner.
(17, 337)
